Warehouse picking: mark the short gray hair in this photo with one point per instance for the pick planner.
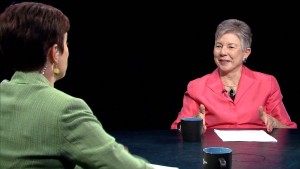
(237, 27)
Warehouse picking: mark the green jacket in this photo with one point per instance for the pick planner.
(42, 127)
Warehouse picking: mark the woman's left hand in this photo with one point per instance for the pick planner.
(269, 120)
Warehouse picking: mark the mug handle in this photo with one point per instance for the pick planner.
(222, 162)
(179, 126)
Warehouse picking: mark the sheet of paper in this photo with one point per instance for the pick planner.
(245, 135)
(155, 166)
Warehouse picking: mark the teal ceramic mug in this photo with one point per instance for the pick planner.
(191, 129)
(217, 158)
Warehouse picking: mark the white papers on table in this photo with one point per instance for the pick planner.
(155, 166)
(245, 135)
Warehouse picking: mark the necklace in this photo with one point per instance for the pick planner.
(231, 91)
(231, 86)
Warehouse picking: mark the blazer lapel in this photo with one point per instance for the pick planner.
(246, 81)
(214, 82)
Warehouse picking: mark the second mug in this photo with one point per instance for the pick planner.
(217, 158)
(191, 129)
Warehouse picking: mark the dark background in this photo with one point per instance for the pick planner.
(131, 62)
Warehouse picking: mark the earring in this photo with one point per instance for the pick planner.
(56, 70)
(244, 60)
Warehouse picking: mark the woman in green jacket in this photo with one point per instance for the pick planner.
(40, 126)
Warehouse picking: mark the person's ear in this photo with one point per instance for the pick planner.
(53, 53)
(247, 53)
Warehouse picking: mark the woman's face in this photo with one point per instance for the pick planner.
(228, 53)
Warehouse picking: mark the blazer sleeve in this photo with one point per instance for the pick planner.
(275, 106)
(86, 142)
(190, 108)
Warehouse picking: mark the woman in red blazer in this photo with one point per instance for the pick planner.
(233, 96)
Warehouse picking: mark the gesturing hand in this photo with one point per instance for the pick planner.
(269, 121)
(201, 114)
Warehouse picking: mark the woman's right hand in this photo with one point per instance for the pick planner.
(201, 114)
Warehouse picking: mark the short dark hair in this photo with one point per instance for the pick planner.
(28, 30)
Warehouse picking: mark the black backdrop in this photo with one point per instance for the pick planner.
(131, 62)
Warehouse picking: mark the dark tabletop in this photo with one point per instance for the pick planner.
(165, 147)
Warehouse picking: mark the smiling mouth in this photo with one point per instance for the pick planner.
(224, 61)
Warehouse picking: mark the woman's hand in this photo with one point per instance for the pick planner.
(270, 121)
(201, 114)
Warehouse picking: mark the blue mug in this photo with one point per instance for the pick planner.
(191, 129)
(217, 158)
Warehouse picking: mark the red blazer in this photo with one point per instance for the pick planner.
(255, 89)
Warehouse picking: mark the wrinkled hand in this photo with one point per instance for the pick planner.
(201, 114)
(269, 121)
